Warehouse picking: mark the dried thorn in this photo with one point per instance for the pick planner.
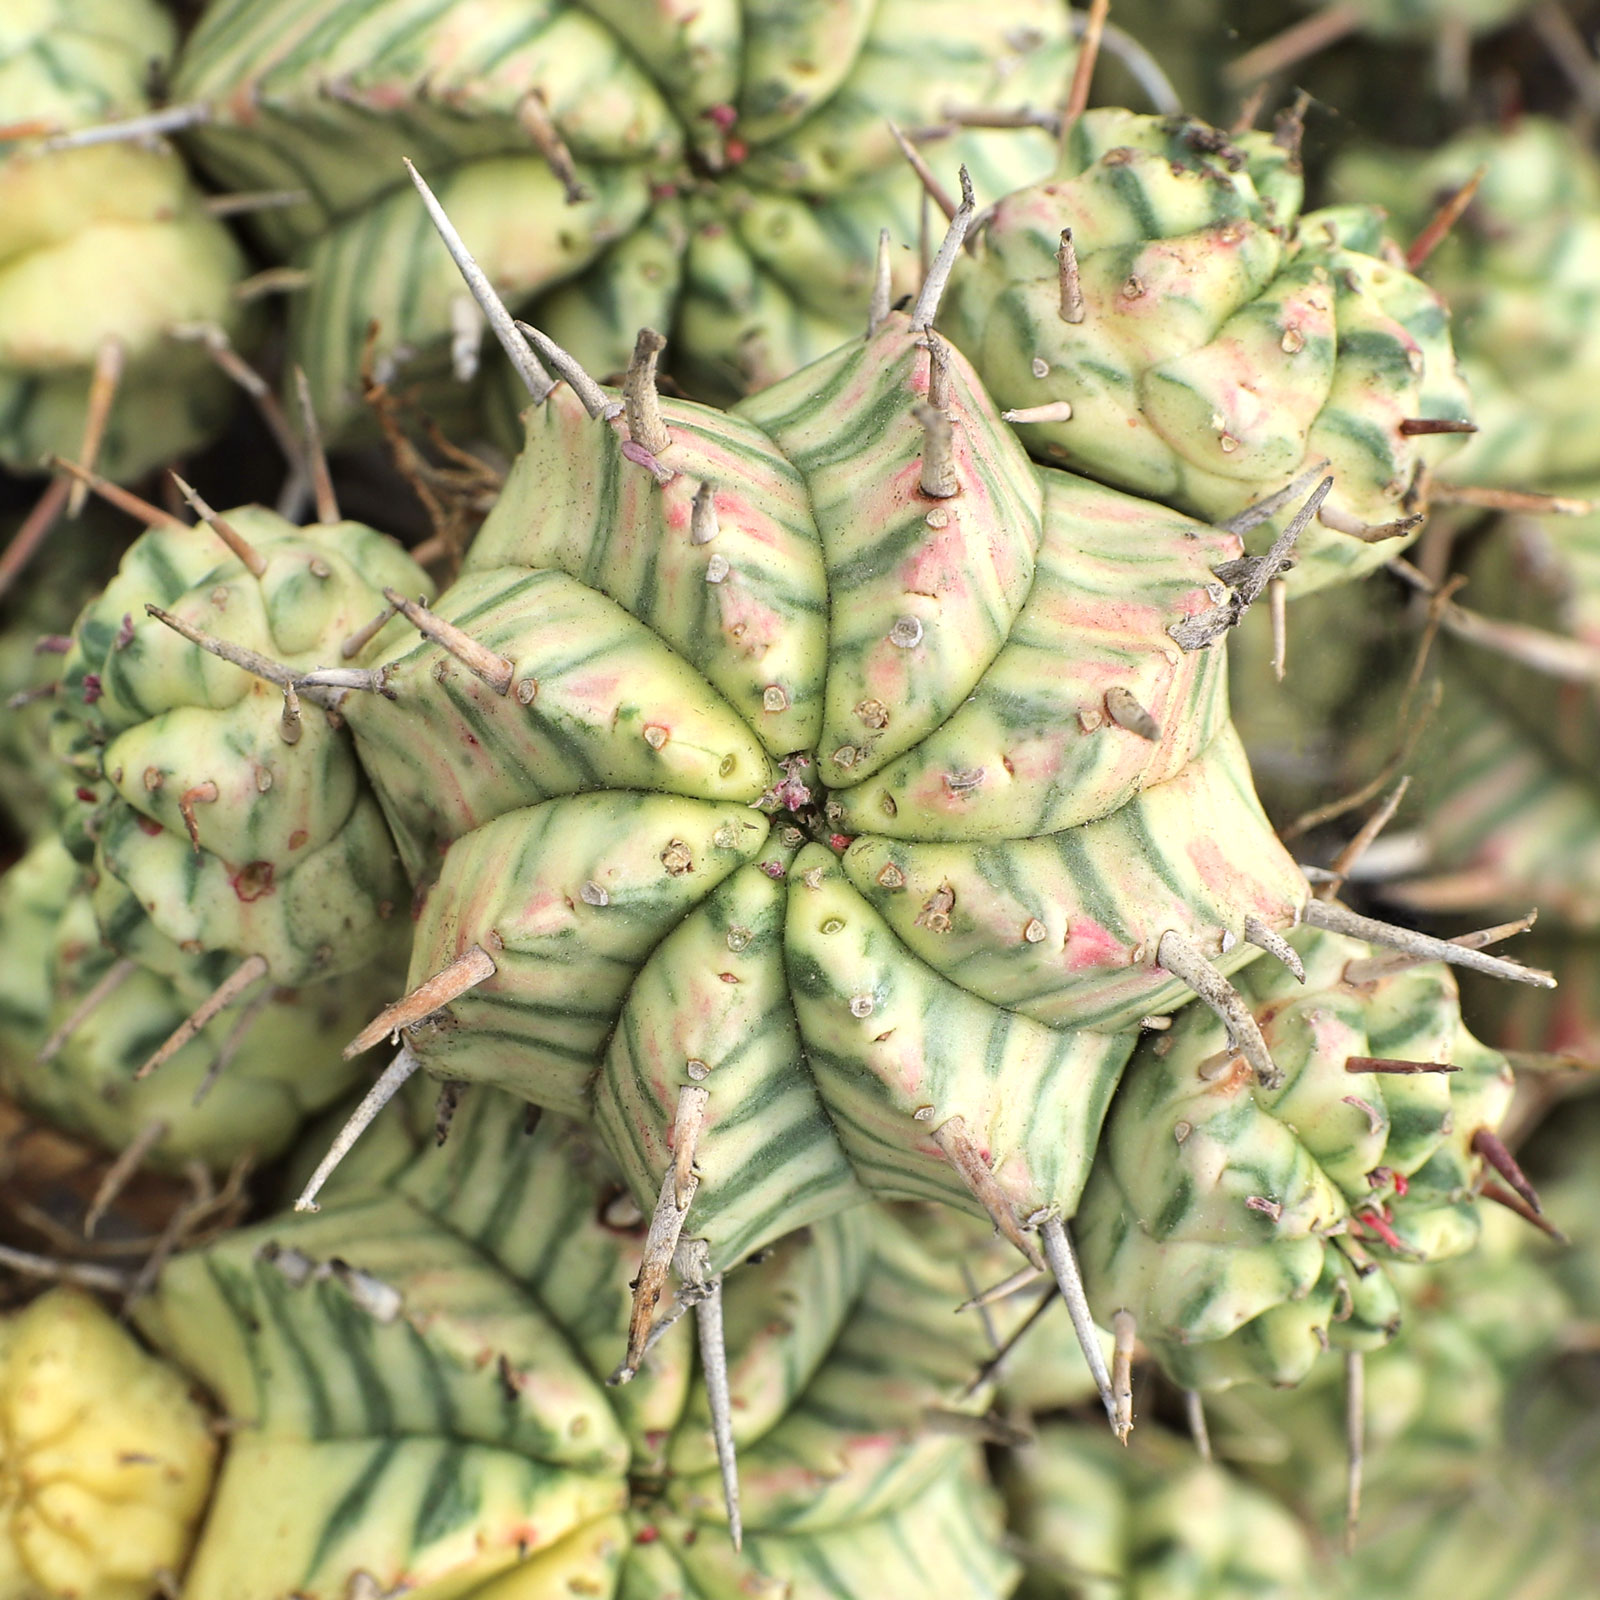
(714, 1369)
(595, 400)
(141, 510)
(703, 524)
(534, 377)
(271, 280)
(1124, 1330)
(939, 480)
(666, 1224)
(238, 655)
(328, 686)
(1194, 1408)
(1071, 308)
(83, 1273)
(931, 186)
(289, 725)
(315, 457)
(533, 116)
(1256, 932)
(132, 130)
(1278, 601)
(1440, 224)
(224, 995)
(1491, 1190)
(1369, 971)
(394, 1078)
(231, 1045)
(224, 530)
(1325, 27)
(36, 527)
(881, 302)
(121, 1173)
(1368, 532)
(104, 987)
(1393, 1067)
(938, 372)
(1263, 510)
(938, 274)
(1249, 109)
(1487, 1143)
(1127, 713)
(444, 1109)
(103, 385)
(449, 983)
(202, 794)
(1355, 1424)
(244, 201)
(1416, 427)
(218, 346)
(366, 633)
(1064, 1267)
(28, 697)
(482, 662)
(990, 1368)
(1177, 955)
(646, 427)
(1335, 918)
(1255, 573)
(1050, 411)
(962, 1152)
(1347, 858)
(1083, 71)
(1001, 1291)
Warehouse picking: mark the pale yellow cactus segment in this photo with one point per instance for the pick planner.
(105, 1460)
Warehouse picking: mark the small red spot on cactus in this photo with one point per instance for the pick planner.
(298, 838)
(840, 841)
(87, 796)
(722, 116)
(124, 634)
(154, 829)
(773, 869)
(736, 150)
(1402, 1184)
(647, 1534)
(253, 880)
(92, 689)
(728, 977)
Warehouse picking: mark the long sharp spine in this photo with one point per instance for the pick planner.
(534, 377)
(393, 1079)
(962, 1152)
(1256, 932)
(1124, 1331)
(226, 993)
(927, 306)
(1064, 1267)
(595, 400)
(466, 972)
(121, 1173)
(103, 385)
(1335, 918)
(879, 305)
(1184, 960)
(714, 1367)
(484, 663)
(104, 987)
(224, 530)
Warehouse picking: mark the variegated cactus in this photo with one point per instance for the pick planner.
(1159, 313)
(419, 1372)
(721, 169)
(78, 1021)
(1245, 1227)
(106, 249)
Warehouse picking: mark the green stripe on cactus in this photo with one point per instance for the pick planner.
(598, 701)
(1066, 928)
(1033, 749)
(923, 588)
(723, 562)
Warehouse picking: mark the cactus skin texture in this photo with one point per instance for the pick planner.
(105, 1460)
(730, 164)
(226, 834)
(1225, 343)
(1518, 269)
(276, 1064)
(103, 243)
(420, 1367)
(1245, 1228)
(1099, 1522)
(790, 779)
